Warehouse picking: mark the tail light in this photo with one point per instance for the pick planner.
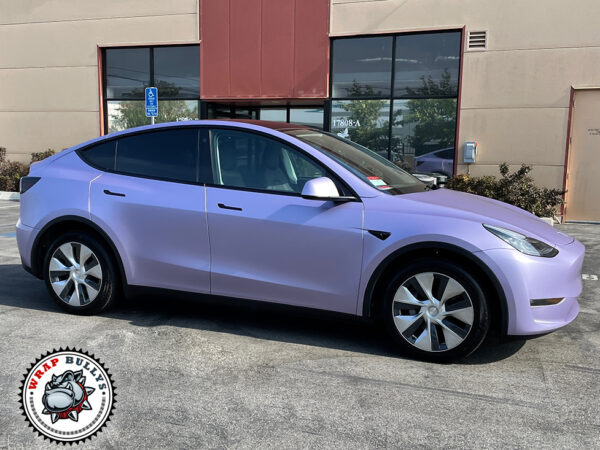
(26, 183)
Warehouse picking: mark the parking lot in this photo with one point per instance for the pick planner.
(219, 374)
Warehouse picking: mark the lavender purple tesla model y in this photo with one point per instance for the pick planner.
(289, 214)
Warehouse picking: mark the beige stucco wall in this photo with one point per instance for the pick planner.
(515, 94)
(49, 65)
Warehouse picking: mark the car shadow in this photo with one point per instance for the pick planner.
(258, 320)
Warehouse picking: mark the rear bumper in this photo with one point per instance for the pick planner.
(524, 278)
(25, 238)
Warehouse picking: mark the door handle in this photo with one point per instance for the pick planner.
(233, 208)
(118, 194)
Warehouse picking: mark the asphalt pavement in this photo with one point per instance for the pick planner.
(198, 374)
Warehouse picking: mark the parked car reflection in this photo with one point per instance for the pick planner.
(436, 162)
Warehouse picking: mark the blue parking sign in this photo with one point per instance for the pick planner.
(151, 102)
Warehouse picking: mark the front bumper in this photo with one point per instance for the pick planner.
(524, 278)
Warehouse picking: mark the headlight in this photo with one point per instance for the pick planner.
(524, 244)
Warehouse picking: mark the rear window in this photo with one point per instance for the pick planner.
(101, 156)
(168, 155)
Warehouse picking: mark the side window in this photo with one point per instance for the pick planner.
(101, 156)
(248, 160)
(170, 155)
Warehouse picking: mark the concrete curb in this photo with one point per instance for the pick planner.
(14, 196)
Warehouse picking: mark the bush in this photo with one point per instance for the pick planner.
(38, 156)
(516, 188)
(12, 171)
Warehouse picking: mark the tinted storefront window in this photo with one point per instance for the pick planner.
(423, 135)
(302, 115)
(312, 117)
(362, 67)
(127, 72)
(363, 121)
(408, 114)
(174, 70)
(427, 65)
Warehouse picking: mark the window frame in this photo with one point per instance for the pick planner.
(106, 99)
(392, 97)
(232, 107)
(199, 130)
(339, 181)
(348, 190)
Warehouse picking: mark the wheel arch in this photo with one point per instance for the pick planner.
(64, 224)
(492, 286)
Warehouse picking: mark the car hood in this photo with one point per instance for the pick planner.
(492, 212)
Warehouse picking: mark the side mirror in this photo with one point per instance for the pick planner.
(323, 189)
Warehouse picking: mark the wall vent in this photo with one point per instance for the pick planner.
(477, 40)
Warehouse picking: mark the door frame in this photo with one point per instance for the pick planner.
(568, 141)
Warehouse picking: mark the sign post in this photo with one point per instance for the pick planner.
(151, 103)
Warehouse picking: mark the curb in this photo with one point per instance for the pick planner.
(14, 196)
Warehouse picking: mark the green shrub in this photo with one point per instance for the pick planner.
(38, 156)
(12, 171)
(516, 188)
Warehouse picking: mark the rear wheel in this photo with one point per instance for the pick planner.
(435, 310)
(79, 274)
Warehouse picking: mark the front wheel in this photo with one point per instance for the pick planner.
(79, 274)
(435, 310)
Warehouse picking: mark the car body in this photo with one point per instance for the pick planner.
(439, 161)
(309, 229)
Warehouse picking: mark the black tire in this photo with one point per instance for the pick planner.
(108, 291)
(481, 320)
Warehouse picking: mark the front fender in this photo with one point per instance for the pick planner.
(377, 265)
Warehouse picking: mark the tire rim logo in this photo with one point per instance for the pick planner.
(67, 395)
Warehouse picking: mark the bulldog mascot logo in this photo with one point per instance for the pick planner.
(67, 396)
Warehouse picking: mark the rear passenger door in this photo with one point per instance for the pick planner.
(152, 199)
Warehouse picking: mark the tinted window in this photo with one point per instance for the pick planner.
(177, 71)
(101, 155)
(123, 114)
(363, 121)
(427, 65)
(127, 72)
(170, 155)
(252, 161)
(362, 67)
(312, 117)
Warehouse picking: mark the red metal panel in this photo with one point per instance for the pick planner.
(311, 67)
(254, 49)
(245, 47)
(214, 49)
(277, 60)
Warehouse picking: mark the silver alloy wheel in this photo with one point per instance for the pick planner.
(433, 312)
(75, 274)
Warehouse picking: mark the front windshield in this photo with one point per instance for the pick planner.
(364, 163)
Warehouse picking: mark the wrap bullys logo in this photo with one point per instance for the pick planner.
(67, 395)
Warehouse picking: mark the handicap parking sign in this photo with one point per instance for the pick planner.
(151, 102)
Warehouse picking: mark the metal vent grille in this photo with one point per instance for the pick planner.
(477, 40)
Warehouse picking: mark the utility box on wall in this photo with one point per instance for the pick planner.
(470, 152)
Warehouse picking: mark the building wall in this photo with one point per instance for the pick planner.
(515, 94)
(49, 62)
